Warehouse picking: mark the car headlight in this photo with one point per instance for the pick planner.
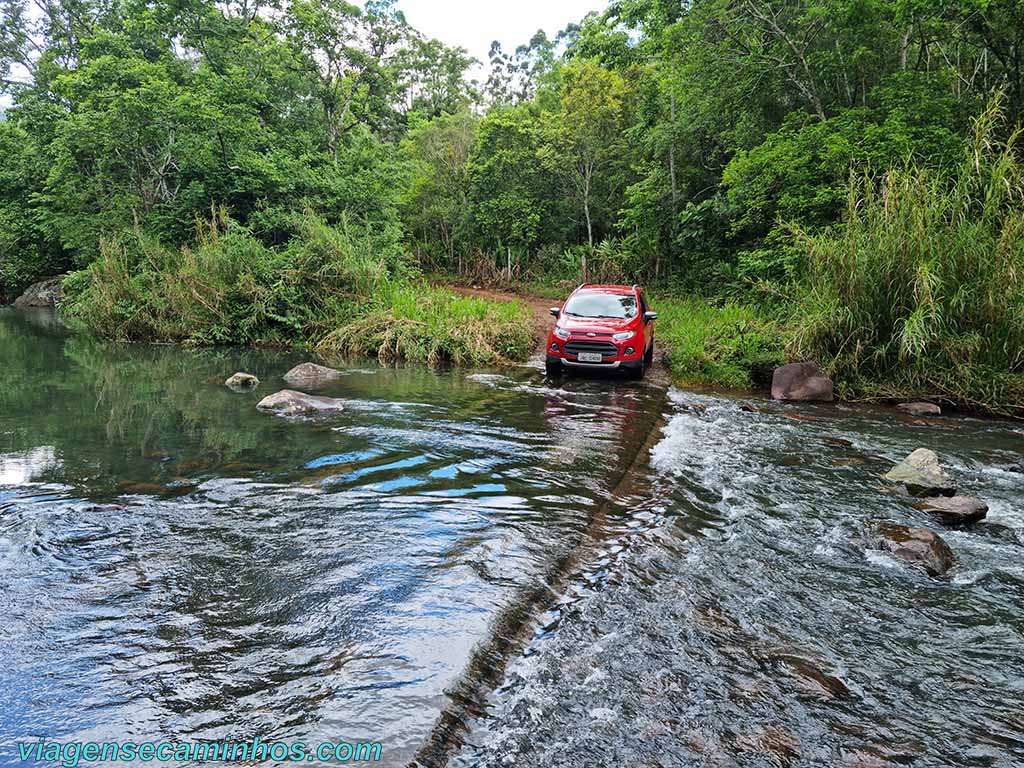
(620, 337)
(562, 333)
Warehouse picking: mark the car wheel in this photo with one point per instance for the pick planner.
(649, 354)
(553, 369)
(638, 372)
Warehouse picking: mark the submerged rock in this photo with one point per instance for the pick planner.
(307, 374)
(242, 382)
(920, 409)
(956, 510)
(288, 402)
(801, 382)
(918, 546)
(45, 293)
(813, 678)
(922, 475)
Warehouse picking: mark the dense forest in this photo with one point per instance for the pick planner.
(836, 179)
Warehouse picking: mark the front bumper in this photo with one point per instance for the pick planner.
(614, 365)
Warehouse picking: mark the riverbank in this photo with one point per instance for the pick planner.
(340, 290)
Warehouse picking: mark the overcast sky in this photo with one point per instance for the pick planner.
(474, 24)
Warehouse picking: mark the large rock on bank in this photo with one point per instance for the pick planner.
(958, 510)
(310, 375)
(916, 545)
(801, 382)
(922, 475)
(287, 402)
(45, 293)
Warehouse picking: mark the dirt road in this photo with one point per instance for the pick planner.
(539, 306)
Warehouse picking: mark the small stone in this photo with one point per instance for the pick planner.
(916, 545)
(956, 510)
(922, 475)
(749, 408)
(287, 402)
(310, 374)
(920, 409)
(241, 382)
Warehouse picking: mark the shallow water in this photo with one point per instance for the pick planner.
(739, 620)
(175, 565)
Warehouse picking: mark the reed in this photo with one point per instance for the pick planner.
(919, 293)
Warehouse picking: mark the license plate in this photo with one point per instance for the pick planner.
(589, 357)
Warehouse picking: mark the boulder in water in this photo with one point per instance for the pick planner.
(920, 409)
(956, 510)
(288, 402)
(45, 293)
(916, 545)
(801, 382)
(310, 374)
(922, 475)
(242, 382)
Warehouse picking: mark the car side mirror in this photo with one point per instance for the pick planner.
(555, 311)
(648, 316)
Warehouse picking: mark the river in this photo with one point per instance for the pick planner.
(484, 568)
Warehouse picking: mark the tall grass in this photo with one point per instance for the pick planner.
(228, 288)
(422, 323)
(340, 289)
(732, 345)
(920, 293)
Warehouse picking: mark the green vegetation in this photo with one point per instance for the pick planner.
(341, 289)
(427, 324)
(794, 165)
(731, 345)
(922, 290)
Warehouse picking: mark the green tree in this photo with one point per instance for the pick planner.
(584, 145)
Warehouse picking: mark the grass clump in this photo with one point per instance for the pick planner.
(920, 294)
(228, 288)
(422, 323)
(731, 345)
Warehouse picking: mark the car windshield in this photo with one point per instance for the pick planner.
(618, 306)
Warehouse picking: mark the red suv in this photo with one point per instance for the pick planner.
(602, 327)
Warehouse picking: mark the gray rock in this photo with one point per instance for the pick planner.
(801, 382)
(310, 374)
(920, 409)
(45, 293)
(288, 402)
(242, 382)
(918, 546)
(958, 510)
(922, 475)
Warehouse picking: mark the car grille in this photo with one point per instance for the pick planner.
(606, 348)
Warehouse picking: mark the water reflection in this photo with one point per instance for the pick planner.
(175, 564)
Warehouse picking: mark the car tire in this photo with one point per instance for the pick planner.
(638, 372)
(649, 354)
(552, 369)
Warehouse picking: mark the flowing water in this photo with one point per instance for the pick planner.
(487, 568)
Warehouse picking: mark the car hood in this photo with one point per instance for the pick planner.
(594, 324)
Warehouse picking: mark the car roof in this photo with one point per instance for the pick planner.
(617, 289)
